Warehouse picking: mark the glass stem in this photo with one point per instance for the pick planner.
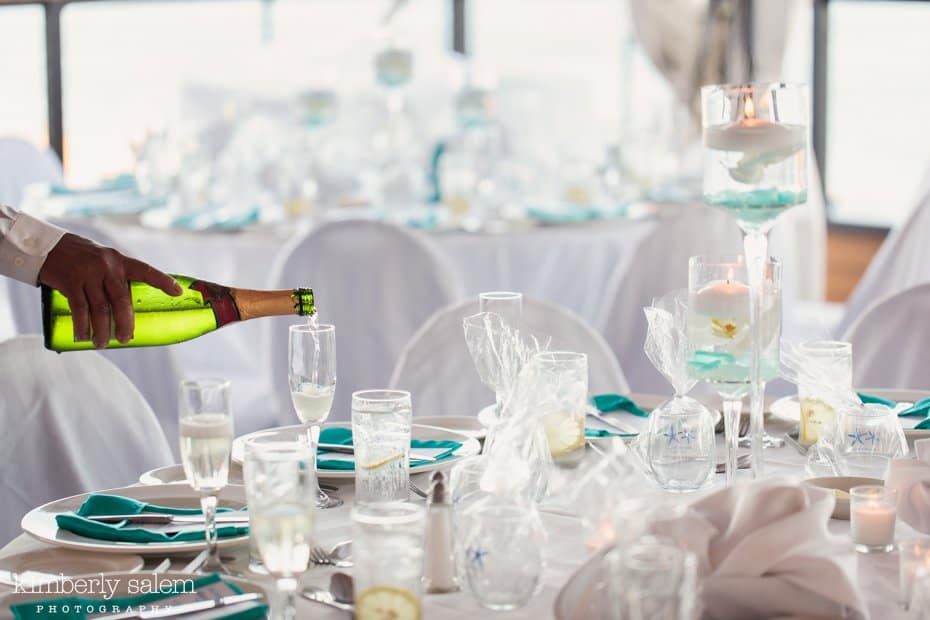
(755, 246)
(313, 436)
(208, 505)
(287, 586)
(732, 408)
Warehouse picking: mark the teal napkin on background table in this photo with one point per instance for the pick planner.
(342, 435)
(99, 504)
(36, 610)
(870, 399)
(606, 403)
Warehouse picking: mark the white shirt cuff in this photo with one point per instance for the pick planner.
(25, 247)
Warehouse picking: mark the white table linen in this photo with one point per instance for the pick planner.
(876, 574)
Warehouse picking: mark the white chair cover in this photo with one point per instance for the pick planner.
(152, 370)
(22, 164)
(659, 266)
(903, 261)
(379, 284)
(437, 368)
(891, 341)
(71, 424)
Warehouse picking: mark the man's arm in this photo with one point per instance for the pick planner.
(92, 277)
(25, 242)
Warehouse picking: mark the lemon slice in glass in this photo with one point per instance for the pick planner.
(564, 432)
(387, 603)
(384, 461)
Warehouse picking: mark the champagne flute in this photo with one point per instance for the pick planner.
(206, 430)
(312, 378)
(282, 497)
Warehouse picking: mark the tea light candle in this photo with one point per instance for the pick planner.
(755, 135)
(914, 555)
(723, 299)
(872, 515)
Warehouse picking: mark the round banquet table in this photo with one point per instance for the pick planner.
(877, 574)
(577, 266)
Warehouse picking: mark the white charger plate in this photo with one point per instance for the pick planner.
(141, 582)
(469, 447)
(788, 408)
(585, 593)
(175, 473)
(52, 564)
(40, 522)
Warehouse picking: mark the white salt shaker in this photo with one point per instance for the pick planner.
(439, 565)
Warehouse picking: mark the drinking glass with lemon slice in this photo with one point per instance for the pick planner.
(387, 545)
(381, 433)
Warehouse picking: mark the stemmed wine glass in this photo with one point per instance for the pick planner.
(718, 334)
(281, 493)
(206, 433)
(312, 377)
(755, 167)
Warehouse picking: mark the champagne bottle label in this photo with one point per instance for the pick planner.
(219, 299)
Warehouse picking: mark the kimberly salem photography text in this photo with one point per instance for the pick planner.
(104, 588)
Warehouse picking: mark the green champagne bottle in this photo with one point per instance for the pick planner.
(162, 319)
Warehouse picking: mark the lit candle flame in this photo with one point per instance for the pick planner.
(729, 274)
(749, 108)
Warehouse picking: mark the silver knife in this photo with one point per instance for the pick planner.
(182, 609)
(343, 449)
(156, 518)
(611, 424)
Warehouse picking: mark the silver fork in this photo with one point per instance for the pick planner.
(417, 490)
(322, 557)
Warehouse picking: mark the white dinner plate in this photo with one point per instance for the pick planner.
(40, 522)
(122, 584)
(469, 447)
(175, 473)
(788, 408)
(52, 564)
(467, 425)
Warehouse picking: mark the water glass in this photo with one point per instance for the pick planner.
(872, 516)
(506, 304)
(387, 546)
(828, 371)
(652, 580)
(564, 383)
(381, 422)
(503, 541)
(206, 435)
(249, 451)
(680, 445)
(281, 493)
(914, 556)
(866, 438)
(311, 374)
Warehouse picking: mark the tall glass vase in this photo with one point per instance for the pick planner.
(755, 168)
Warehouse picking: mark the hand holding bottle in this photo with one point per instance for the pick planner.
(95, 279)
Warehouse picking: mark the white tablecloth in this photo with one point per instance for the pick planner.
(877, 574)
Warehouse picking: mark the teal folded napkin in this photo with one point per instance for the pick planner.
(606, 403)
(99, 504)
(121, 183)
(870, 399)
(710, 360)
(923, 425)
(343, 436)
(920, 408)
(76, 608)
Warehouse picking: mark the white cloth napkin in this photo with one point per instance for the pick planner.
(911, 479)
(764, 550)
